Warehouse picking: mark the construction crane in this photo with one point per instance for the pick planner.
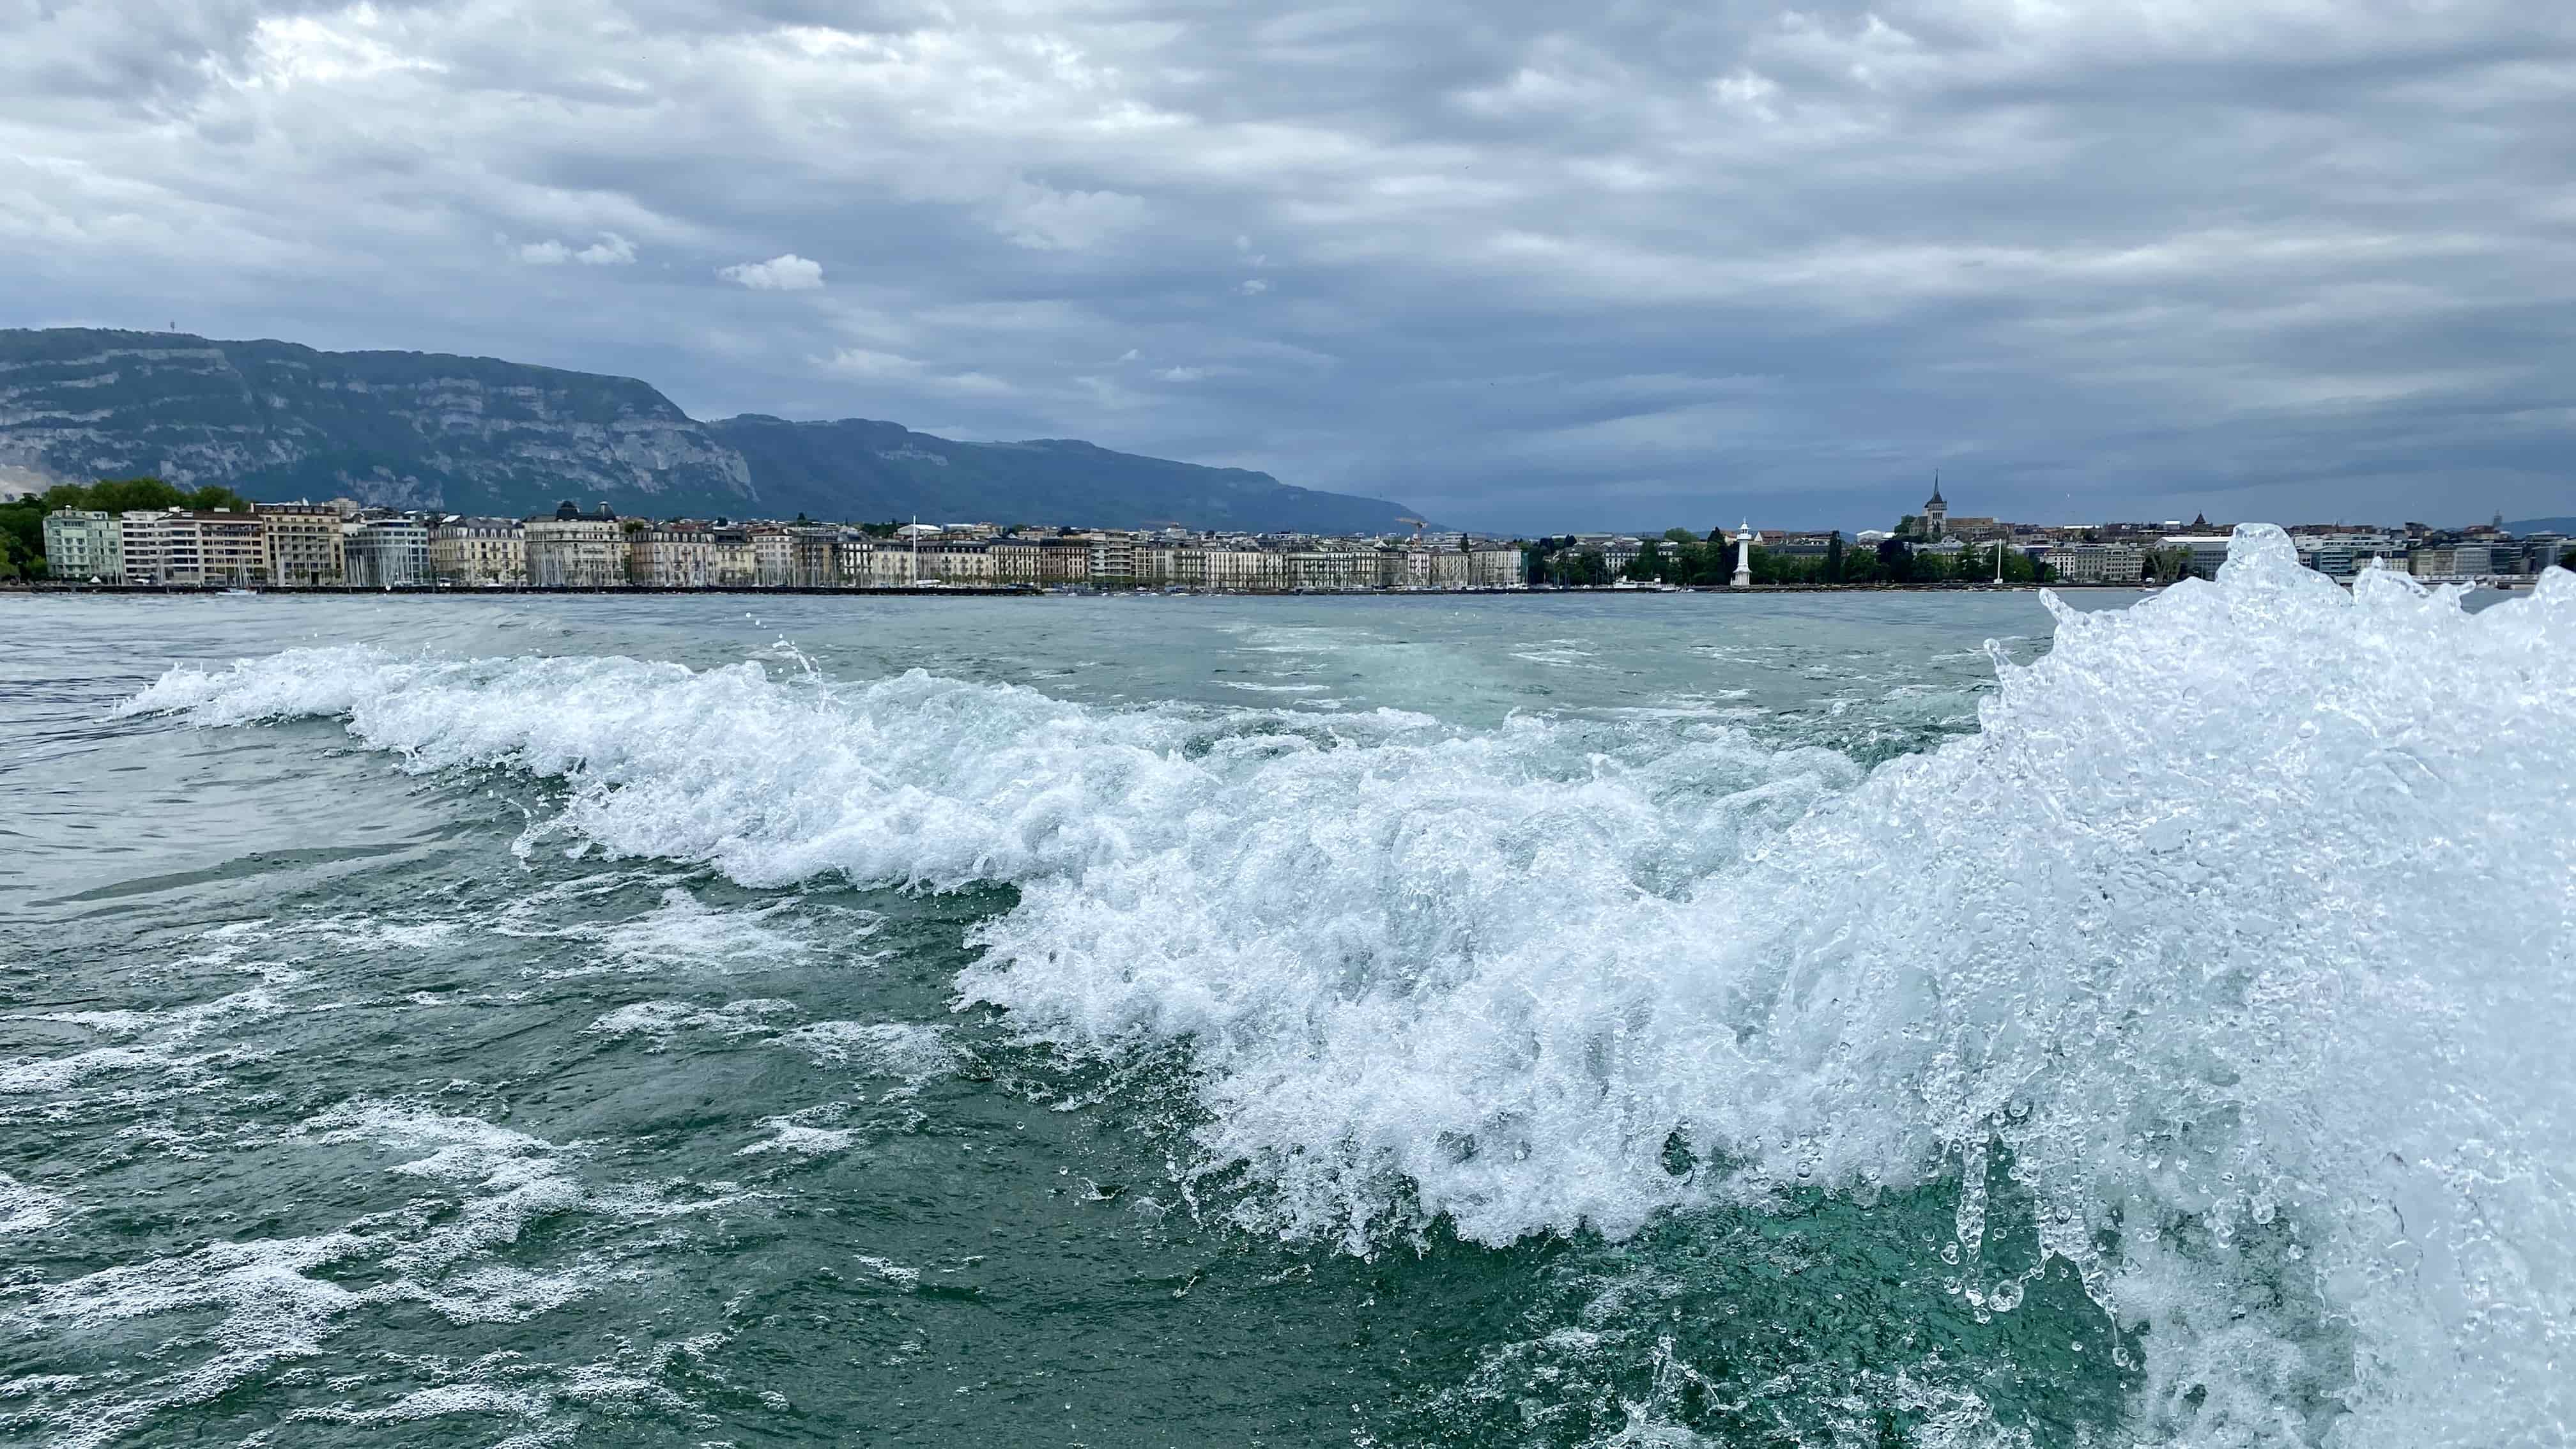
(1418, 526)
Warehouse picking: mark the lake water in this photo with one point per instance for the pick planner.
(1662, 1019)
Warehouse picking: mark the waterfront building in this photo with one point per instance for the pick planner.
(879, 563)
(1331, 568)
(304, 543)
(1437, 568)
(386, 551)
(1241, 567)
(479, 552)
(2203, 552)
(773, 556)
(1113, 559)
(2451, 560)
(1018, 558)
(813, 556)
(189, 547)
(735, 566)
(951, 559)
(2096, 563)
(83, 543)
(2341, 553)
(576, 550)
(1158, 561)
(676, 555)
(1497, 566)
(1799, 545)
(1064, 558)
(1617, 550)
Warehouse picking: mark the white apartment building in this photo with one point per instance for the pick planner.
(479, 552)
(305, 546)
(181, 546)
(2096, 563)
(1113, 558)
(82, 543)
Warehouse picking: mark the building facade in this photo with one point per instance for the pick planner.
(576, 550)
(180, 546)
(967, 561)
(1112, 560)
(305, 545)
(82, 543)
(479, 552)
(386, 552)
(2096, 563)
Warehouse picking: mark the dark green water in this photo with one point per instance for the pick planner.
(334, 1112)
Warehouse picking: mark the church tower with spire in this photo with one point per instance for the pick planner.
(1936, 512)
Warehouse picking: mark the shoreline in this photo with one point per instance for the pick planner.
(921, 591)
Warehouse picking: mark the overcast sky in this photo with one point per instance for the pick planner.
(1533, 267)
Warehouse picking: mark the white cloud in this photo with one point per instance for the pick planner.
(1182, 374)
(611, 250)
(874, 366)
(784, 273)
(1044, 219)
(1254, 288)
(1130, 355)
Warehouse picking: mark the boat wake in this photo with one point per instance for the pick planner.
(2242, 933)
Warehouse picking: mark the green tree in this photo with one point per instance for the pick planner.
(1648, 565)
(22, 539)
(1834, 557)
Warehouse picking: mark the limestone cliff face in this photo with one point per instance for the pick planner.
(274, 420)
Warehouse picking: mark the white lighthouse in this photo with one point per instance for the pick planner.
(1743, 555)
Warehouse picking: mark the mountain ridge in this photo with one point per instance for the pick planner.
(274, 420)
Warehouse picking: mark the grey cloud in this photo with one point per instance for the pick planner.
(1522, 268)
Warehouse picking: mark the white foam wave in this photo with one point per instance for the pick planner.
(172, 1032)
(2243, 923)
(660, 1022)
(25, 1209)
(913, 1051)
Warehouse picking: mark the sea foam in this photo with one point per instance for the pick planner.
(2242, 925)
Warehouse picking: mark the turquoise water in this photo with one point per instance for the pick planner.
(1097, 1021)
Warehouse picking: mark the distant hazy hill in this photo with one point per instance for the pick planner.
(859, 469)
(477, 435)
(2542, 525)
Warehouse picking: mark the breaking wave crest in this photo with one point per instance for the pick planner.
(2244, 929)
